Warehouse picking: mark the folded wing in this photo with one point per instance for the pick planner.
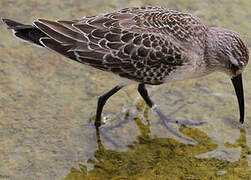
(144, 44)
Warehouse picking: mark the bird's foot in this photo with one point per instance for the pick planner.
(166, 119)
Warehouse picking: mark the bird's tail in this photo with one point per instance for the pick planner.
(28, 33)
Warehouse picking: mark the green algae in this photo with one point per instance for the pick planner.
(164, 158)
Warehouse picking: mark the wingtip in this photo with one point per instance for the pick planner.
(10, 23)
(6, 21)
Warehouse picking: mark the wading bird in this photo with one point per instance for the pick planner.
(148, 45)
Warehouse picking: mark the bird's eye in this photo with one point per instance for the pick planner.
(234, 68)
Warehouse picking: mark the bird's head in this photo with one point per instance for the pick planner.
(229, 51)
(229, 54)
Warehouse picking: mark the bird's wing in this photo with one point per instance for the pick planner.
(134, 43)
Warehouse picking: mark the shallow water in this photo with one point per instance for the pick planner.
(47, 101)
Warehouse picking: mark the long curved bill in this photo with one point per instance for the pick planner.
(238, 87)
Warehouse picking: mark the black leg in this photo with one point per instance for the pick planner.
(144, 94)
(101, 102)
